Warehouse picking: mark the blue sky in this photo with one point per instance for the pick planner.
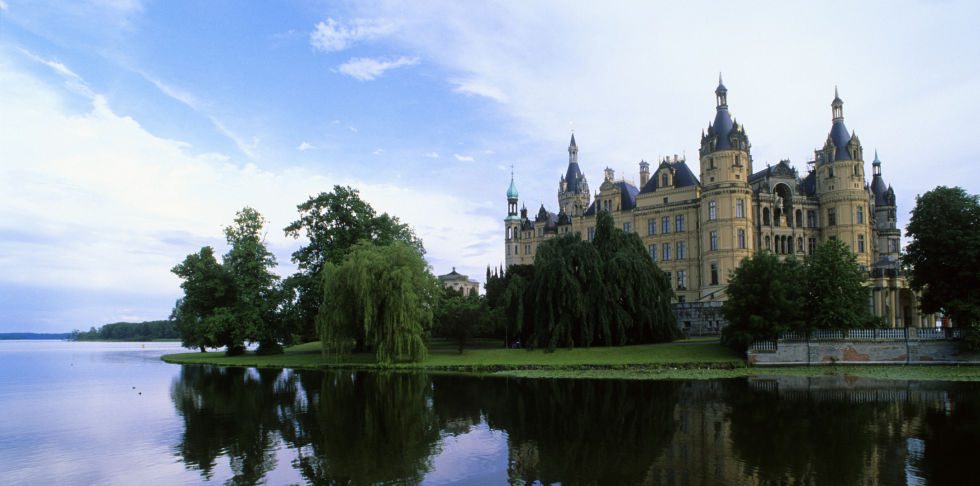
(131, 131)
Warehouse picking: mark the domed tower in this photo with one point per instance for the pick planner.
(840, 187)
(888, 236)
(726, 198)
(512, 224)
(573, 189)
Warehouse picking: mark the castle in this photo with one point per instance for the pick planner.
(699, 228)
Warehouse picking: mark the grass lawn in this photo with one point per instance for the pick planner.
(490, 355)
(697, 358)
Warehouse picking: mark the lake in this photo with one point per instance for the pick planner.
(113, 413)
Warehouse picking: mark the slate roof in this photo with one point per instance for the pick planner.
(840, 136)
(809, 184)
(627, 193)
(683, 177)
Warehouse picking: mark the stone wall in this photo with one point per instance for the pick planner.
(699, 318)
(910, 351)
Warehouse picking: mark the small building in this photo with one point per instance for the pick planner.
(457, 281)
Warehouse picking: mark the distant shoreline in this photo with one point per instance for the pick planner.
(33, 336)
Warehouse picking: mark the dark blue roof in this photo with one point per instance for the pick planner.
(572, 176)
(809, 184)
(683, 177)
(722, 128)
(840, 136)
(627, 193)
(879, 189)
(591, 210)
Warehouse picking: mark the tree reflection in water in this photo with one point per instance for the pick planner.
(366, 428)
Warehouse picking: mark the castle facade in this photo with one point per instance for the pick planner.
(698, 228)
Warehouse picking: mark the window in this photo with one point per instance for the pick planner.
(777, 215)
(713, 237)
(860, 215)
(799, 244)
(591, 233)
(714, 273)
(831, 217)
(765, 216)
(627, 227)
(665, 225)
(510, 233)
(811, 245)
(508, 250)
(653, 252)
(652, 226)
(768, 243)
(811, 219)
(679, 223)
(739, 208)
(799, 218)
(712, 211)
(830, 172)
(741, 238)
(860, 243)
(527, 249)
(681, 279)
(666, 251)
(664, 180)
(680, 250)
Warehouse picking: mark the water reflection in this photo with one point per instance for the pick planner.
(367, 428)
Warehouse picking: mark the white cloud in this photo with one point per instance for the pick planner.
(304, 146)
(111, 206)
(378, 151)
(332, 36)
(475, 87)
(3, 5)
(368, 69)
(432, 155)
(464, 158)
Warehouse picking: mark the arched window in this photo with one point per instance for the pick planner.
(799, 218)
(765, 219)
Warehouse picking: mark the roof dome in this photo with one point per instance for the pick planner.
(512, 190)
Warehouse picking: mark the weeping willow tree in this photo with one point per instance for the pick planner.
(379, 298)
(567, 286)
(636, 293)
(604, 293)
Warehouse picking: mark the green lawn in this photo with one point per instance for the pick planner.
(697, 358)
(489, 355)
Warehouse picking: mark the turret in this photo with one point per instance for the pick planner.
(573, 188)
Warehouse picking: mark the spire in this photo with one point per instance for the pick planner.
(512, 190)
(837, 106)
(876, 161)
(721, 94)
(572, 143)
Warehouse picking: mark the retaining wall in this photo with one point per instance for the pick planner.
(862, 352)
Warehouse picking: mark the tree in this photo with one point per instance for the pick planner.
(944, 254)
(765, 298)
(836, 297)
(334, 222)
(380, 298)
(250, 265)
(460, 317)
(207, 287)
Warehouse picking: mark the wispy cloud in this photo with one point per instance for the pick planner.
(333, 36)
(368, 68)
(3, 5)
(475, 87)
(378, 151)
(432, 155)
(464, 158)
(304, 146)
(73, 81)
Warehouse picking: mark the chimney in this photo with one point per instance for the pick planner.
(644, 173)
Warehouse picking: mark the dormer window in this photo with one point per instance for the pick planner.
(664, 180)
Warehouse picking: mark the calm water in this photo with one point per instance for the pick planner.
(85, 413)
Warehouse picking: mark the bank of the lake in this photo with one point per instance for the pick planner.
(686, 359)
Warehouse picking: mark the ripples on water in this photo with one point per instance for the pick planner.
(83, 413)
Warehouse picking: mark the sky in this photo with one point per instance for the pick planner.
(132, 131)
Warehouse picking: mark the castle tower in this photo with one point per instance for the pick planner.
(726, 213)
(573, 189)
(512, 224)
(886, 225)
(840, 187)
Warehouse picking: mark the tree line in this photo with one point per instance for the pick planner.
(128, 331)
